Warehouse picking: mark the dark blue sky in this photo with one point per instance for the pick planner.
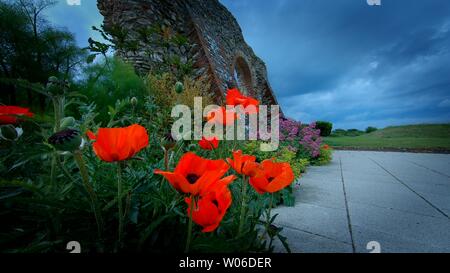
(343, 61)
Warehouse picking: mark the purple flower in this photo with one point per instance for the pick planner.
(310, 139)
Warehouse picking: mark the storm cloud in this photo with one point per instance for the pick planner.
(342, 61)
(354, 64)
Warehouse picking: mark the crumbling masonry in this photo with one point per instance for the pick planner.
(215, 45)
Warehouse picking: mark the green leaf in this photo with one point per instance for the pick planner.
(273, 218)
(148, 231)
(17, 183)
(10, 193)
(90, 59)
(283, 240)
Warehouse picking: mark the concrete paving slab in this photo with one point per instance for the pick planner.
(401, 200)
(314, 194)
(327, 222)
(390, 243)
(303, 242)
(424, 229)
(439, 163)
(391, 196)
(441, 201)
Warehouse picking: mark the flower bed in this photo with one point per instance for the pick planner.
(130, 187)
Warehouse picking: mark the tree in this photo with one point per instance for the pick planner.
(371, 129)
(31, 49)
(325, 128)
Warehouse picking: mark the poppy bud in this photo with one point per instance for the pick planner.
(66, 84)
(53, 85)
(191, 148)
(179, 87)
(56, 86)
(9, 132)
(134, 101)
(53, 80)
(66, 140)
(67, 122)
(168, 142)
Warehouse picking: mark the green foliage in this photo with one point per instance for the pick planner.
(325, 128)
(46, 203)
(349, 133)
(33, 50)
(371, 129)
(105, 83)
(253, 148)
(303, 164)
(326, 155)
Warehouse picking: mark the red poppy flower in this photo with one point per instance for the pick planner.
(10, 114)
(273, 177)
(326, 147)
(212, 205)
(194, 173)
(243, 164)
(235, 97)
(209, 143)
(117, 144)
(222, 116)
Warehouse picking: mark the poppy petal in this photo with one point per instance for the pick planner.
(174, 179)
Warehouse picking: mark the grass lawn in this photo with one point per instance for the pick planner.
(426, 137)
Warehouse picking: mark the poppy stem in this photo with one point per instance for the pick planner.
(53, 170)
(119, 201)
(58, 112)
(268, 214)
(243, 206)
(64, 169)
(269, 221)
(166, 159)
(85, 178)
(216, 154)
(189, 231)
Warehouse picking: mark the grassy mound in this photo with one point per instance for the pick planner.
(421, 137)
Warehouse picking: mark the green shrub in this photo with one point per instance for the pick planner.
(354, 132)
(253, 148)
(349, 132)
(371, 129)
(163, 88)
(326, 155)
(105, 83)
(325, 128)
(338, 133)
(303, 164)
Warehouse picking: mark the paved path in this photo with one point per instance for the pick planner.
(400, 200)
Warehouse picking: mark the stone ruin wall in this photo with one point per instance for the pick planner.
(216, 44)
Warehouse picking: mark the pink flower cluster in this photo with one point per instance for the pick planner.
(289, 129)
(310, 139)
(300, 136)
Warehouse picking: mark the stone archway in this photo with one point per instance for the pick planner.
(242, 76)
(215, 45)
